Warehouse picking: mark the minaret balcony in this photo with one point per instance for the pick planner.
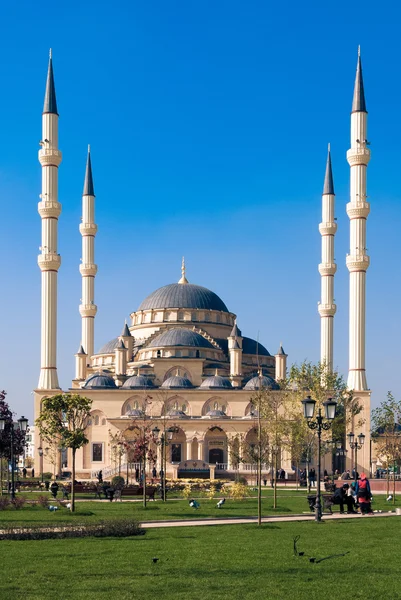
(88, 229)
(50, 157)
(87, 310)
(357, 262)
(327, 310)
(357, 210)
(49, 262)
(328, 228)
(88, 269)
(49, 209)
(327, 268)
(358, 156)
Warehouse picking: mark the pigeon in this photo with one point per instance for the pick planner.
(194, 504)
(221, 502)
(53, 508)
(155, 559)
(68, 505)
(390, 498)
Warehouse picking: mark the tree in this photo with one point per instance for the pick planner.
(386, 432)
(19, 443)
(64, 417)
(118, 449)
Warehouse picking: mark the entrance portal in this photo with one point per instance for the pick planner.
(216, 456)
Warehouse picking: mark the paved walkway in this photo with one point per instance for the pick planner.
(279, 519)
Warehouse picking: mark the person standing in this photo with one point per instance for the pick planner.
(364, 495)
(312, 477)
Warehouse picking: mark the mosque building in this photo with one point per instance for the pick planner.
(182, 357)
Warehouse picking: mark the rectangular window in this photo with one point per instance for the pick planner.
(175, 452)
(97, 452)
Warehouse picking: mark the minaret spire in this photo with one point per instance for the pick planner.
(49, 260)
(327, 268)
(358, 101)
(183, 269)
(50, 103)
(88, 268)
(357, 260)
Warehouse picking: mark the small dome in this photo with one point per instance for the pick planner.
(135, 413)
(188, 295)
(250, 346)
(216, 414)
(99, 380)
(176, 381)
(179, 336)
(264, 381)
(137, 381)
(216, 381)
(176, 414)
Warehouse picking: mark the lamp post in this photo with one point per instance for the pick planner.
(22, 425)
(319, 425)
(40, 450)
(356, 445)
(165, 438)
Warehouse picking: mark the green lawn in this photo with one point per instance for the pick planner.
(241, 562)
(289, 502)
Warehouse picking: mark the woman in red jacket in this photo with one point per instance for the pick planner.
(364, 495)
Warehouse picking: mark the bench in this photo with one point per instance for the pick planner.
(326, 500)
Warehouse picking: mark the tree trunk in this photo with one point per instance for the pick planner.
(259, 466)
(296, 474)
(388, 479)
(275, 481)
(1, 476)
(73, 481)
(393, 483)
(144, 480)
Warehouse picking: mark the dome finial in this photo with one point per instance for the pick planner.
(183, 278)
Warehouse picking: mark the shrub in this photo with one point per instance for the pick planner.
(47, 475)
(187, 492)
(211, 492)
(4, 502)
(118, 482)
(112, 527)
(42, 501)
(239, 491)
(18, 502)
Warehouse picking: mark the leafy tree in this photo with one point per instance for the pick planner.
(118, 448)
(19, 443)
(386, 432)
(64, 417)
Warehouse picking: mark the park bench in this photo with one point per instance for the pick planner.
(327, 502)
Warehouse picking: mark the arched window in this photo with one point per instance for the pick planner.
(175, 405)
(103, 421)
(96, 419)
(184, 408)
(216, 406)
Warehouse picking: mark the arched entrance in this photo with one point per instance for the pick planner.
(216, 455)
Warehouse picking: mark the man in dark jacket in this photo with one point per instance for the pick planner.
(341, 497)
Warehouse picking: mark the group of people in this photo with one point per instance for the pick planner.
(354, 495)
(305, 476)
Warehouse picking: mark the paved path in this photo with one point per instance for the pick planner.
(282, 519)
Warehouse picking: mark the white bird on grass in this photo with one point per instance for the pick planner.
(221, 502)
(390, 498)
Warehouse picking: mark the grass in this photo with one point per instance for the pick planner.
(240, 562)
(289, 502)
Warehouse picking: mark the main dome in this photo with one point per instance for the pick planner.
(183, 295)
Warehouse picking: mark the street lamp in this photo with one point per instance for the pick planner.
(40, 450)
(329, 414)
(22, 425)
(356, 445)
(164, 441)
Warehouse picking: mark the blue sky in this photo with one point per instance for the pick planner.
(209, 125)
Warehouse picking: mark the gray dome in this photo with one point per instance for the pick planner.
(216, 414)
(216, 381)
(183, 295)
(137, 381)
(256, 383)
(99, 380)
(179, 336)
(250, 346)
(176, 382)
(135, 413)
(109, 347)
(176, 414)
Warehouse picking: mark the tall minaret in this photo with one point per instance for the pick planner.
(358, 209)
(88, 269)
(327, 269)
(49, 260)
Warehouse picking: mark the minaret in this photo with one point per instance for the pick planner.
(183, 269)
(235, 352)
(49, 260)
(357, 260)
(88, 269)
(327, 268)
(80, 364)
(281, 364)
(120, 358)
(128, 341)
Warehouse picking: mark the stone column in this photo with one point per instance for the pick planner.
(201, 444)
(189, 450)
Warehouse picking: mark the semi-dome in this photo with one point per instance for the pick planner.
(176, 381)
(179, 336)
(216, 381)
(135, 413)
(99, 380)
(183, 295)
(259, 382)
(216, 414)
(137, 381)
(250, 346)
(176, 414)
(109, 347)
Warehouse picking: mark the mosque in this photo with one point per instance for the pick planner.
(182, 357)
